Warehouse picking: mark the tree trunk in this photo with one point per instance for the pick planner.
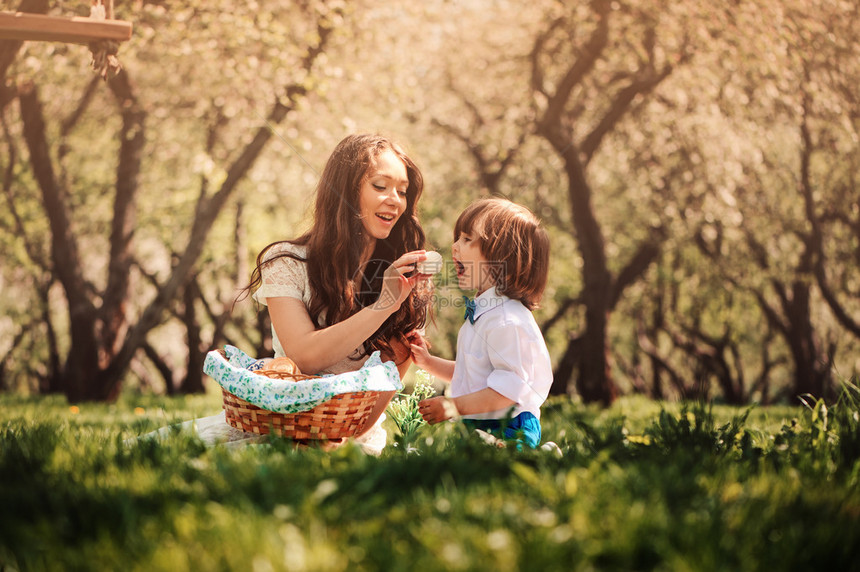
(113, 311)
(193, 382)
(657, 323)
(556, 124)
(264, 330)
(811, 368)
(81, 366)
(54, 378)
(565, 368)
(594, 382)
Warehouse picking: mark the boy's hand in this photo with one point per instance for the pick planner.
(437, 409)
(420, 354)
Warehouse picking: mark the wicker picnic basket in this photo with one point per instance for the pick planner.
(343, 415)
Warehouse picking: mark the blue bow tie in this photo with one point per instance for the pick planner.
(470, 309)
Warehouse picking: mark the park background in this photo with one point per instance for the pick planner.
(695, 164)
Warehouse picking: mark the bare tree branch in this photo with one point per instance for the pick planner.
(641, 85)
(537, 75)
(583, 64)
(69, 123)
(64, 248)
(647, 253)
(161, 366)
(36, 256)
(650, 350)
(562, 310)
(123, 221)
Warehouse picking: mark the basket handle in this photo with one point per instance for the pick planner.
(275, 374)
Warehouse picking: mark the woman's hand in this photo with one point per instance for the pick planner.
(437, 409)
(395, 286)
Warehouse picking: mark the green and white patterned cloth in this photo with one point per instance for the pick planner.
(286, 396)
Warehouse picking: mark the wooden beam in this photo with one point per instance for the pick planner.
(36, 27)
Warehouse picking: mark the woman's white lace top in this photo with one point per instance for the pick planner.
(288, 277)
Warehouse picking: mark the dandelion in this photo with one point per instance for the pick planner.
(139, 410)
(74, 409)
(404, 409)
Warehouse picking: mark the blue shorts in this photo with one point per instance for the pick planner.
(525, 428)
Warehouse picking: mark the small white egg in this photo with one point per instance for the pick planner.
(432, 265)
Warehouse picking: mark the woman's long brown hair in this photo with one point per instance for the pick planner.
(336, 239)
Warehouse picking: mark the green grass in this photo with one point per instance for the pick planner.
(641, 486)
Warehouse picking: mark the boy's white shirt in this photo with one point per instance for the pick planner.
(505, 351)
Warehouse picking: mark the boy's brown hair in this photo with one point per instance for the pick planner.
(513, 242)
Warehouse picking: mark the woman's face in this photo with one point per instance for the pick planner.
(382, 197)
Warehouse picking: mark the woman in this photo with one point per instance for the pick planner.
(339, 292)
(346, 287)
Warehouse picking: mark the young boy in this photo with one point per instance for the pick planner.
(502, 373)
